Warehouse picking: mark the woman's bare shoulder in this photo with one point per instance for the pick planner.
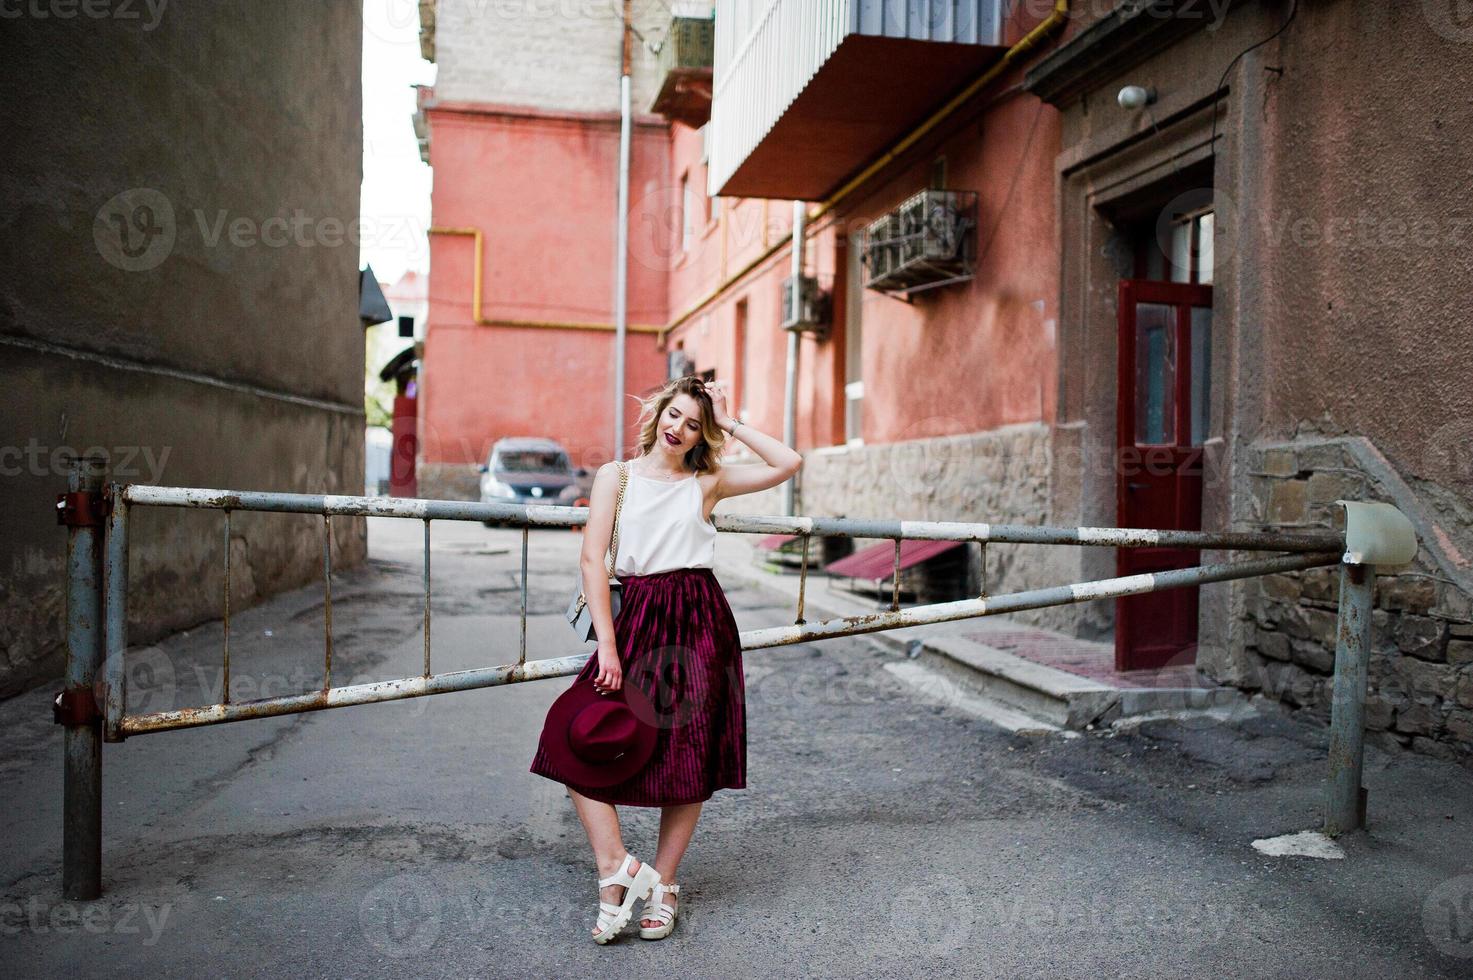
(606, 478)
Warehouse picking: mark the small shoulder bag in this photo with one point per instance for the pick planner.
(580, 616)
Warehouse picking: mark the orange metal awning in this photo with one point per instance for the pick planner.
(866, 96)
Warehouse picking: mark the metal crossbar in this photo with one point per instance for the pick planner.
(1302, 550)
(1309, 550)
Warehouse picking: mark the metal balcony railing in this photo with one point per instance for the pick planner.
(690, 43)
(685, 63)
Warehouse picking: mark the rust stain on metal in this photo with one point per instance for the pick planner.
(82, 508)
(75, 706)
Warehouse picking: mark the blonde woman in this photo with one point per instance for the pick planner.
(675, 638)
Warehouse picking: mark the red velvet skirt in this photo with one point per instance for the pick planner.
(678, 641)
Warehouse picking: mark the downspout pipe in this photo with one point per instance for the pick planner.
(621, 270)
(790, 383)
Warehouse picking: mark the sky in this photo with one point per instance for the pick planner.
(396, 185)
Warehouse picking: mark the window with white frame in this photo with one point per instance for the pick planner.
(1191, 248)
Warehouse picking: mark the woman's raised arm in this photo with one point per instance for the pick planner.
(779, 462)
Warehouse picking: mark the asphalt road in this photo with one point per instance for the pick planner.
(880, 834)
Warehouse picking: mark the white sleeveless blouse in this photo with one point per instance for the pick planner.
(661, 528)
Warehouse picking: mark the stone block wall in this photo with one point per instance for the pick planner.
(1421, 666)
(1000, 476)
(448, 481)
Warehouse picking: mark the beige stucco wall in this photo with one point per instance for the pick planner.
(1338, 175)
(545, 54)
(218, 343)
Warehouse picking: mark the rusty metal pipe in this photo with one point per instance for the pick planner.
(427, 599)
(522, 655)
(1344, 795)
(543, 515)
(941, 612)
(466, 680)
(341, 697)
(225, 621)
(115, 603)
(326, 601)
(81, 841)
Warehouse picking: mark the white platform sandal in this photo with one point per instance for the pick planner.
(656, 909)
(613, 918)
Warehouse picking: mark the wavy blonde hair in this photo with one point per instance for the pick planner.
(704, 455)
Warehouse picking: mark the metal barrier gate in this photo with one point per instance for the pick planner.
(93, 705)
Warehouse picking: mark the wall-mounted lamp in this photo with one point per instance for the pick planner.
(1135, 97)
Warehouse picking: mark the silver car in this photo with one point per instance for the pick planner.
(523, 470)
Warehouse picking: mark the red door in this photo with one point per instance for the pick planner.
(1165, 344)
(403, 481)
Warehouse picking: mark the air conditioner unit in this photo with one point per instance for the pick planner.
(878, 253)
(805, 306)
(910, 229)
(927, 242)
(678, 364)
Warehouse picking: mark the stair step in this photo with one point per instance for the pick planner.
(937, 687)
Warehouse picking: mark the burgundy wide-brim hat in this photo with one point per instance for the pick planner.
(594, 739)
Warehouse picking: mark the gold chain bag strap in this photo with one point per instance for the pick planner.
(579, 615)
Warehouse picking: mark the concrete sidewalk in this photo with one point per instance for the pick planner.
(994, 657)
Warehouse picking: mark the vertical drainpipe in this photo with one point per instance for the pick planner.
(790, 389)
(621, 271)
